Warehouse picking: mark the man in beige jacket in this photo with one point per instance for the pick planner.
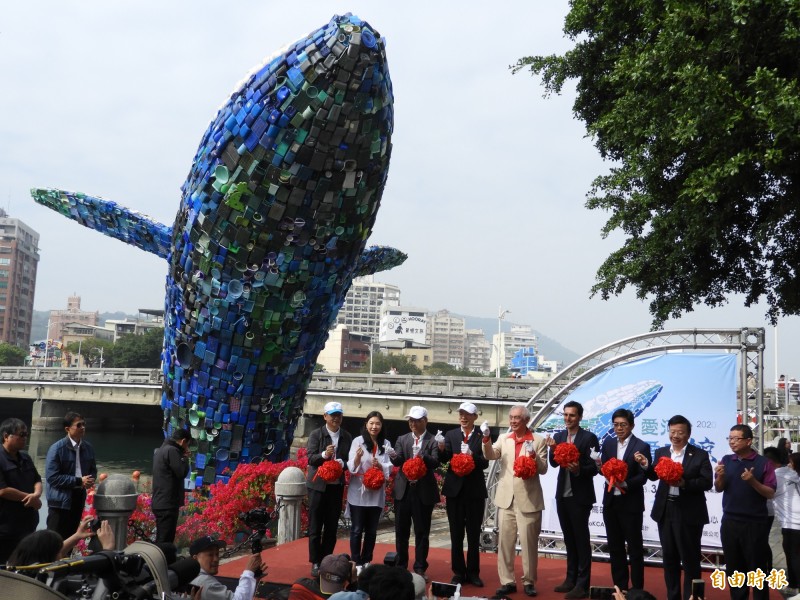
(519, 501)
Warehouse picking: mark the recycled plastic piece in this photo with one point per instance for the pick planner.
(280, 165)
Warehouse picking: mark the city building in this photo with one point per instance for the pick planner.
(148, 318)
(507, 343)
(19, 259)
(59, 319)
(419, 355)
(361, 311)
(447, 338)
(478, 351)
(344, 351)
(403, 323)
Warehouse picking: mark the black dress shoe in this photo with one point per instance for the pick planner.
(577, 592)
(530, 590)
(457, 579)
(314, 569)
(475, 580)
(506, 589)
(564, 587)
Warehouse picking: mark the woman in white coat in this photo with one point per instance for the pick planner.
(369, 450)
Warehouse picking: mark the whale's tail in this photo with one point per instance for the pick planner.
(109, 218)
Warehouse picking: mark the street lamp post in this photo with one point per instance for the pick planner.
(500, 315)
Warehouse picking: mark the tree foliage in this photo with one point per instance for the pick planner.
(697, 105)
(138, 351)
(448, 370)
(383, 363)
(11, 356)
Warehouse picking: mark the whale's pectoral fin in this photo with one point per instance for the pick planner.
(379, 258)
(107, 217)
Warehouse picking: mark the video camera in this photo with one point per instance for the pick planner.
(140, 572)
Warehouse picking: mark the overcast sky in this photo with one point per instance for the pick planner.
(487, 182)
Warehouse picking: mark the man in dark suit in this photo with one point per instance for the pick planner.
(574, 500)
(623, 512)
(680, 510)
(466, 496)
(414, 500)
(329, 442)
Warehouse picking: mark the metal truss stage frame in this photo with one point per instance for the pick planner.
(748, 342)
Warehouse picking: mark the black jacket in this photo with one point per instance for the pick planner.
(474, 484)
(318, 441)
(698, 478)
(170, 467)
(583, 483)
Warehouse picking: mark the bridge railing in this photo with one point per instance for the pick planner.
(467, 387)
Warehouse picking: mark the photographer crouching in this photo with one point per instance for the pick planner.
(206, 551)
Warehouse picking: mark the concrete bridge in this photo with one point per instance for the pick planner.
(53, 390)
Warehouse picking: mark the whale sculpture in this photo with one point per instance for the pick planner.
(271, 229)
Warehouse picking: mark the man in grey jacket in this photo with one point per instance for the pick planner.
(170, 467)
(205, 550)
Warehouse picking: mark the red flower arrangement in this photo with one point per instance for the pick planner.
(669, 471)
(462, 464)
(330, 471)
(565, 454)
(524, 467)
(374, 478)
(415, 469)
(615, 470)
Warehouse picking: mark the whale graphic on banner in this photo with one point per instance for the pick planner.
(597, 412)
(271, 229)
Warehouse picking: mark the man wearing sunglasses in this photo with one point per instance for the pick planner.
(20, 488)
(70, 470)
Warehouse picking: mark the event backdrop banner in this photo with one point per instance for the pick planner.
(701, 387)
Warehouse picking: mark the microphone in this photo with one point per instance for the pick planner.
(179, 574)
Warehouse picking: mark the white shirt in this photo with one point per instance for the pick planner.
(357, 494)
(677, 456)
(77, 447)
(787, 498)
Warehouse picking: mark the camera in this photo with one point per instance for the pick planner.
(140, 572)
(443, 590)
(601, 593)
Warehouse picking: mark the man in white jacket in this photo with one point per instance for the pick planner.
(205, 550)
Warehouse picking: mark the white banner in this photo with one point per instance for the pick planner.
(701, 387)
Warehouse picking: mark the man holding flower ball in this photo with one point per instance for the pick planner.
(415, 489)
(518, 497)
(685, 475)
(571, 451)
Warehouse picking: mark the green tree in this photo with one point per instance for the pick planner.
(11, 356)
(90, 350)
(448, 370)
(383, 363)
(138, 351)
(697, 106)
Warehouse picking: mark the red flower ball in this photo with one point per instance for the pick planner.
(524, 467)
(615, 470)
(374, 478)
(566, 453)
(669, 471)
(330, 471)
(415, 469)
(462, 464)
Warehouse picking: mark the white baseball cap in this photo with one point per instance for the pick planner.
(333, 407)
(469, 407)
(417, 412)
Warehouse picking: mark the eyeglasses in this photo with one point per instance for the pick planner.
(24, 434)
(80, 425)
(736, 439)
(621, 425)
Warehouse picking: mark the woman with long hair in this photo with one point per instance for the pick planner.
(369, 451)
(784, 450)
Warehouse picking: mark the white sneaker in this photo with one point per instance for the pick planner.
(359, 568)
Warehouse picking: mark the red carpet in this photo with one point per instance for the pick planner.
(289, 562)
